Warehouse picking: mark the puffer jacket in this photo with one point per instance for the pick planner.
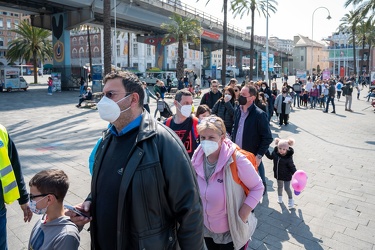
(225, 110)
(283, 166)
(167, 192)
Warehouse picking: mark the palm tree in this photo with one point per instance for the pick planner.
(362, 31)
(107, 35)
(244, 7)
(370, 41)
(31, 44)
(349, 24)
(363, 7)
(182, 30)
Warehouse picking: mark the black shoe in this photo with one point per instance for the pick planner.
(325, 111)
(333, 112)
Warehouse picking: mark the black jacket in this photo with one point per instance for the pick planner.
(156, 192)
(210, 98)
(225, 110)
(283, 166)
(256, 134)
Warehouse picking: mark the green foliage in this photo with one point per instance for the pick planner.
(185, 29)
(245, 7)
(30, 41)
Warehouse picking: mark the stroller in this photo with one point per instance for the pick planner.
(164, 110)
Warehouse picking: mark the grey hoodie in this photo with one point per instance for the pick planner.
(60, 233)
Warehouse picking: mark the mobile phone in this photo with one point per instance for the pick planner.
(75, 210)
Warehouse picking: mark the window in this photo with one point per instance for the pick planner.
(118, 49)
(96, 52)
(167, 50)
(1, 23)
(81, 40)
(135, 65)
(81, 52)
(148, 50)
(301, 58)
(9, 23)
(74, 53)
(16, 22)
(9, 40)
(1, 41)
(96, 39)
(135, 49)
(149, 65)
(74, 40)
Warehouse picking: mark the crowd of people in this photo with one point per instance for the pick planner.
(140, 198)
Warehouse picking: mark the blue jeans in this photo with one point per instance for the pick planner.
(332, 100)
(296, 99)
(49, 89)
(3, 229)
(313, 101)
(82, 90)
(261, 171)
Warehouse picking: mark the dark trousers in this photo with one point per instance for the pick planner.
(146, 107)
(283, 118)
(332, 100)
(211, 245)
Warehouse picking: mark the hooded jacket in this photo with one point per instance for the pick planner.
(283, 166)
(155, 193)
(212, 192)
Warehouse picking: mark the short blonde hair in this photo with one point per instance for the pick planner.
(212, 122)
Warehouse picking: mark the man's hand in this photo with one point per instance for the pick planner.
(80, 221)
(27, 214)
(244, 212)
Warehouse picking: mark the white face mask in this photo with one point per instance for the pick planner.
(263, 88)
(32, 205)
(185, 110)
(209, 146)
(109, 110)
(228, 96)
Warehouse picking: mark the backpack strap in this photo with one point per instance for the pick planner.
(234, 170)
(168, 121)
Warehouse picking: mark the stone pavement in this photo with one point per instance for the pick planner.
(335, 211)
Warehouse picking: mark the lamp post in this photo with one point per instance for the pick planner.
(267, 64)
(312, 35)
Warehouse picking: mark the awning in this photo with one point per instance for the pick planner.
(47, 66)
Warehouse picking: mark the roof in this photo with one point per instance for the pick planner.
(304, 41)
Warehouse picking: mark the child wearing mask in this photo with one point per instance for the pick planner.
(53, 230)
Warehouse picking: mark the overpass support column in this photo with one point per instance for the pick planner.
(61, 49)
(239, 55)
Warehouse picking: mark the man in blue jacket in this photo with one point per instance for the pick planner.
(251, 129)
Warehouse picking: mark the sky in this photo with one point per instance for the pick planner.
(293, 17)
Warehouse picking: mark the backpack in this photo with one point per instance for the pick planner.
(194, 124)
(233, 166)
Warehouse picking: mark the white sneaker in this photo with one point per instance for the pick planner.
(290, 203)
(279, 199)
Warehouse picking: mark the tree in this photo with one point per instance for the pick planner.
(362, 30)
(182, 30)
(349, 24)
(107, 35)
(242, 7)
(31, 44)
(363, 7)
(370, 41)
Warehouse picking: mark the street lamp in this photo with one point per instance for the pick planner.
(267, 64)
(312, 35)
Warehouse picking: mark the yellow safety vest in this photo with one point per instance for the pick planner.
(7, 176)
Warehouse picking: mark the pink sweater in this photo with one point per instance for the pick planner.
(213, 192)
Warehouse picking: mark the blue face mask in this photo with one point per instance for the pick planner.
(32, 205)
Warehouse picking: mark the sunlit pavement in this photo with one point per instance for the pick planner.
(335, 211)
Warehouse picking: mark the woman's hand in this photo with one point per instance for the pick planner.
(244, 212)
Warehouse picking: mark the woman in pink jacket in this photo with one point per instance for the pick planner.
(228, 221)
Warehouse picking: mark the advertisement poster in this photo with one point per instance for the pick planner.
(301, 74)
(326, 74)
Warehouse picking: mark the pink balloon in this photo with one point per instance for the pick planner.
(299, 180)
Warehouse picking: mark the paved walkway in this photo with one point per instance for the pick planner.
(336, 210)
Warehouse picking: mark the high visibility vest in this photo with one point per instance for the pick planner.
(7, 176)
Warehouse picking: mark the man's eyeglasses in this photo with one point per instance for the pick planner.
(214, 86)
(111, 94)
(32, 197)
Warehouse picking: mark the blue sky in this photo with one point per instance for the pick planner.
(292, 17)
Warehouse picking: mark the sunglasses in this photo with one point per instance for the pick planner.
(111, 94)
(32, 197)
